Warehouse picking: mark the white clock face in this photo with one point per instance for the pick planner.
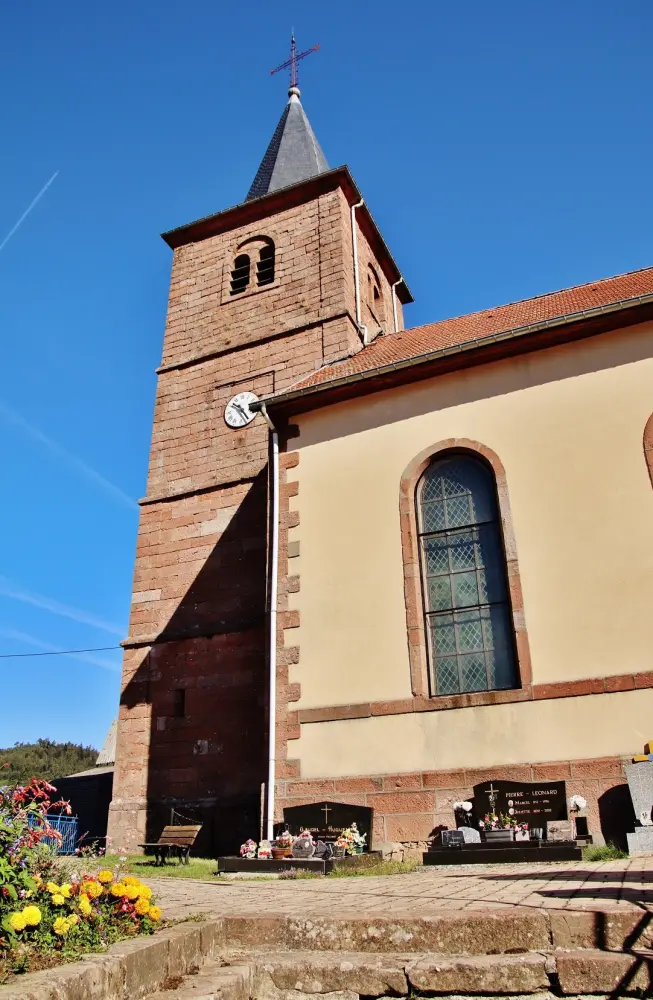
(237, 412)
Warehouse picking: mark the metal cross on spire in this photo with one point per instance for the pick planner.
(291, 63)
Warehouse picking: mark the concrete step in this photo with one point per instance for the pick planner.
(603, 972)
(213, 981)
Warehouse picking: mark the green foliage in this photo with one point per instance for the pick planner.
(45, 759)
(603, 852)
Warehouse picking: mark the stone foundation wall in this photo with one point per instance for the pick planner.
(409, 807)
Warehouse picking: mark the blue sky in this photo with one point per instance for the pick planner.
(504, 149)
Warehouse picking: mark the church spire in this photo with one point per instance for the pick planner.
(294, 154)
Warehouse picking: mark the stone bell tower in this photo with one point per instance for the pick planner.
(260, 295)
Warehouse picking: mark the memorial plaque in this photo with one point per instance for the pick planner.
(453, 838)
(535, 803)
(560, 830)
(303, 848)
(327, 820)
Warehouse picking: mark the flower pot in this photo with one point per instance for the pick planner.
(338, 852)
(359, 849)
(281, 852)
(492, 835)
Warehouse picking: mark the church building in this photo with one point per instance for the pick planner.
(380, 565)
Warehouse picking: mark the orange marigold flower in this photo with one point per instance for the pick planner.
(154, 913)
(132, 891)
(142, 907)
(131, 880)
(118, 889)
(144, 892)
(105, 876)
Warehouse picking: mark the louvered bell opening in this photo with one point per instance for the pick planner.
(265, 266)
(240, 274)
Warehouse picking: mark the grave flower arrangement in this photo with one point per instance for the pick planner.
(501, 821)
(45, 919)
(352, 840)
(248, 849)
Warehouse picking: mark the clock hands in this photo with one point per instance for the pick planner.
(240, 409)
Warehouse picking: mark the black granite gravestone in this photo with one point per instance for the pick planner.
(327, 820)
(535, 803)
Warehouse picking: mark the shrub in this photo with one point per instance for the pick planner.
(44, 918)
(603, 852)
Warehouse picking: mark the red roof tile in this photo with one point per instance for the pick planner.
(423, 340)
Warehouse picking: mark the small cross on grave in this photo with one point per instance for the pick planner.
(326, 809)
(492, 794)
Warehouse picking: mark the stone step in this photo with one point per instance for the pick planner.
(603, 972)
(466, 933)
(213, 981)
(348, 975)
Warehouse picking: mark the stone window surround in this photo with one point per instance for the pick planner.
(415, 624)
(251, 246)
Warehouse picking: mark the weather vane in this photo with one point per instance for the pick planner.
(292, 62)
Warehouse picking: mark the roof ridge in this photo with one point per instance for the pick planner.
(517, 302)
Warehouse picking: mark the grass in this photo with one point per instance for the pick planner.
(206, 869)
(603, 852)
(144, 866)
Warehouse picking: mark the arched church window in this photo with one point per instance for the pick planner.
(240, 274)
(467, 610)
(265, 265)
(374, 295)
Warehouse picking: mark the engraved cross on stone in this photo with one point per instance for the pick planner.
(326, 809)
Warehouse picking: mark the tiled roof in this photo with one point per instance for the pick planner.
(421, 341)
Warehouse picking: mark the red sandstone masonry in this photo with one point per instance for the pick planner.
(410, 806)
(198, 617)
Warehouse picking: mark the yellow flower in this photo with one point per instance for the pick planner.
(154, 913)
(52, 887)
(61, 926)
(73, 919)
(38, 881)
(85, 907)
(58, 899)
(92, 889)
(142, 907)
(131, 880)
(118, 889)
(32, 916)
(105, 876)
(65, 890)
(17, 921)
(132, 891)
(144, 892)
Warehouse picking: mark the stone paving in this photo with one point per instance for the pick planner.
(426, 892)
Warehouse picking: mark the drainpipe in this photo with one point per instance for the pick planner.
(394, 303)
(362, 329)
(274, 573)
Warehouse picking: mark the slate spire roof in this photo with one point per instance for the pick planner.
(294, 154)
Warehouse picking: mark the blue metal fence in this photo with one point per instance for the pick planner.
(67, 827)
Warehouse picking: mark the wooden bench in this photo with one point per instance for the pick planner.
(174, 838)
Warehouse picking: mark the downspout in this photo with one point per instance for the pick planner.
(394, 303)
(357, 291)
(274, 573)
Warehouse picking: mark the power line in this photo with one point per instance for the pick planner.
(59, 652)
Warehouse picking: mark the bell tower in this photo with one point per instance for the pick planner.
(261, 295)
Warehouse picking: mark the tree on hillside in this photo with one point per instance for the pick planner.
(44, 759)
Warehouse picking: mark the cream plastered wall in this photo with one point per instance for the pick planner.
(564, 729)
(567, 423)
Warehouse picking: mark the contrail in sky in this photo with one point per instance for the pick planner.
(31, 640)
(17, 593)
(29, 208)
(84, 470)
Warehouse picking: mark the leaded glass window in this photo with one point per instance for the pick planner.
(466, 600)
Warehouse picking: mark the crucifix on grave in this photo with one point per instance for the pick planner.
(326, 809)
(493, 795)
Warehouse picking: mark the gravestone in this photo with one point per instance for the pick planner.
(327, 820)
(470, 835)
(640, 786)
(535, 803)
